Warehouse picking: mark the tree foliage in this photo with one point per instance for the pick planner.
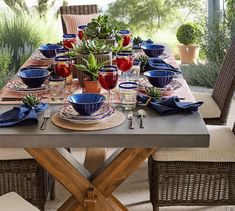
(148, 15)
(17, 5)
(42, 7)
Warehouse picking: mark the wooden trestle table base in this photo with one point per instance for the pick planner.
(91, 191)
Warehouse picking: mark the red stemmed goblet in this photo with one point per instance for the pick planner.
(126, 36)
(108, 78)
(124, 62)
(81, 30)
(62, 67)
(69, 40)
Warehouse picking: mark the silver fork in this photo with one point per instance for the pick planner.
(46, 116)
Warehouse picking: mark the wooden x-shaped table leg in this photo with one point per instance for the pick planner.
(92, 192)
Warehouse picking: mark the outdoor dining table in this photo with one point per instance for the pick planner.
(93, 191)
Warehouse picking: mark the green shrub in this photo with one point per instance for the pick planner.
(201, 74)
(20, 34)
(189, 33)
(5, 62)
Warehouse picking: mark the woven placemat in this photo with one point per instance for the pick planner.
(113, 121)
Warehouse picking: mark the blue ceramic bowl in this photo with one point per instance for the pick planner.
(86, 104)
(49, 50)
(159, 78)
(33, 77)
(153, 50)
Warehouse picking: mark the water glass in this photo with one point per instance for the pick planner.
(57, 88)
(134, 72)
(128, 92)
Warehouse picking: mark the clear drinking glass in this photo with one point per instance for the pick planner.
(57, 88)
(128, 92)
(133, 74)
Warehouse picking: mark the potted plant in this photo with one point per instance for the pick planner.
(101, 50)
(101, 28)
(189, 35)
(91, 70)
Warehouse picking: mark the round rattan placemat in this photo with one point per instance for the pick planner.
(116, 119)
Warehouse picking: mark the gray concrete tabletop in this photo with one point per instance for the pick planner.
(178, 130)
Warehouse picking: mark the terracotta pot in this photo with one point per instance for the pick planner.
(188, 54)
(92, 86)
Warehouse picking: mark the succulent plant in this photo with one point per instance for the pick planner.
(91, 68)
(144, 60)
(120, 47)
(31, 100)
(100, 28)
(137, 40)
(95, 46)
(153, 92)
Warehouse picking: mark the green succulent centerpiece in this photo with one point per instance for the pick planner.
(95, 46)
(31, 100)
(91, 67)
(100, 28)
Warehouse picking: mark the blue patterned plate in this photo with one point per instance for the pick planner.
(68, 113)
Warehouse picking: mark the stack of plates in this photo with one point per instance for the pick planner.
(19, 86)
(68, 113)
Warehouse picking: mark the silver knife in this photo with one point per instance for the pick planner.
(130, 117)
(46, 116)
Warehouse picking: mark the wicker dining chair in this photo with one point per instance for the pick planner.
(216, 106)
(77, 10)
(23, 175)
(195, 176)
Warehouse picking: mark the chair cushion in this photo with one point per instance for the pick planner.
(13, 202)
(13, 154)
(222, 149)
(209, 109)
(73, 21)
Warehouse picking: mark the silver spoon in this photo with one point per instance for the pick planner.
(142, 114)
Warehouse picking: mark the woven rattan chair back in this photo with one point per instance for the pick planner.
(225, 84)
(77, 10)
(191, 183)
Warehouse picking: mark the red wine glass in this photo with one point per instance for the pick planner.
(126, 36)
(62, 67)
(81, 30)
(124, 62)
(108, 78)
(69, 40)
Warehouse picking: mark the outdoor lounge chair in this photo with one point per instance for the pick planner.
(216, 106)
(77, 10)
(195, 176)
(23, 175)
